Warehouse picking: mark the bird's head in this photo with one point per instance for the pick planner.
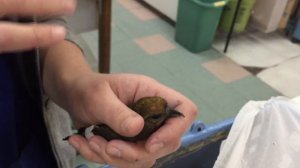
(155, 111)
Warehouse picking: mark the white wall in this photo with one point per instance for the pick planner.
(167, 7)
(85, 17)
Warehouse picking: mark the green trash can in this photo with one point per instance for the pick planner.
(197, 22)
(242, 17)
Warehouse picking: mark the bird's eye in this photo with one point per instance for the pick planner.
(155, 117)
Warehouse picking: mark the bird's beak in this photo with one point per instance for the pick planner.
(174, 113)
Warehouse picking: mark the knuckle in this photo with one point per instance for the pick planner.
(87, 154)
(37, 37)
(70, 7)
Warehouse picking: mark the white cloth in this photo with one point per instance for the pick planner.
(265, 134)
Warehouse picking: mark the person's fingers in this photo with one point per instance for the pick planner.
(99, 146)
(114, 157)
(37, 7)
(114, 113)
(20, 37)
(123, 120)
(96, 149)
(167, 139)
(83, 147)
(168, 136)
(132, 152)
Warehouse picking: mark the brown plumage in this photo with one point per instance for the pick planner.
(155, 112)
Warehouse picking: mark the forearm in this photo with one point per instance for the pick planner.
(61, 65)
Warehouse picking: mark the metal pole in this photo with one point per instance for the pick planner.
(104, 35)
(232, 25)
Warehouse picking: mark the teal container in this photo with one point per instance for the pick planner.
(197, 22)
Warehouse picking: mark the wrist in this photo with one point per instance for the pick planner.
(62, 64)
(80, 97)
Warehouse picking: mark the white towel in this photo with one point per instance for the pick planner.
(265, 134)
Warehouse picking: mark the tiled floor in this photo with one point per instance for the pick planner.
(273, 54)
(216, 84)
(284, 77)
(226, 70)
(154, 44)
(255, 49)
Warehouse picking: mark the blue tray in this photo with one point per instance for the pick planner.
(199, 148)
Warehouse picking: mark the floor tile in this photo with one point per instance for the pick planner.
(256, 49)
(206, 113)
(253, 88)
(127, 53)
(154, 44)
(226, 70)
(118, 35)
(226, 101)
(285, 77)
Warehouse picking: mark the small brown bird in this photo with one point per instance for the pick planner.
(155, 112)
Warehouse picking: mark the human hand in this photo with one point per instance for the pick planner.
(96, 98)
(15, 36)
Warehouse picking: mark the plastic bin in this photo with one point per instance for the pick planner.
(197, 22)
(243, 16)
(199, 148)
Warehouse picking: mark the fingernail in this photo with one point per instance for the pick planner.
(114, 151)
(95, 146)
(156, 147)
(58, 32)
(69, 6)
(126, 126)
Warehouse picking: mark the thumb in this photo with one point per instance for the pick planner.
(121, 119)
